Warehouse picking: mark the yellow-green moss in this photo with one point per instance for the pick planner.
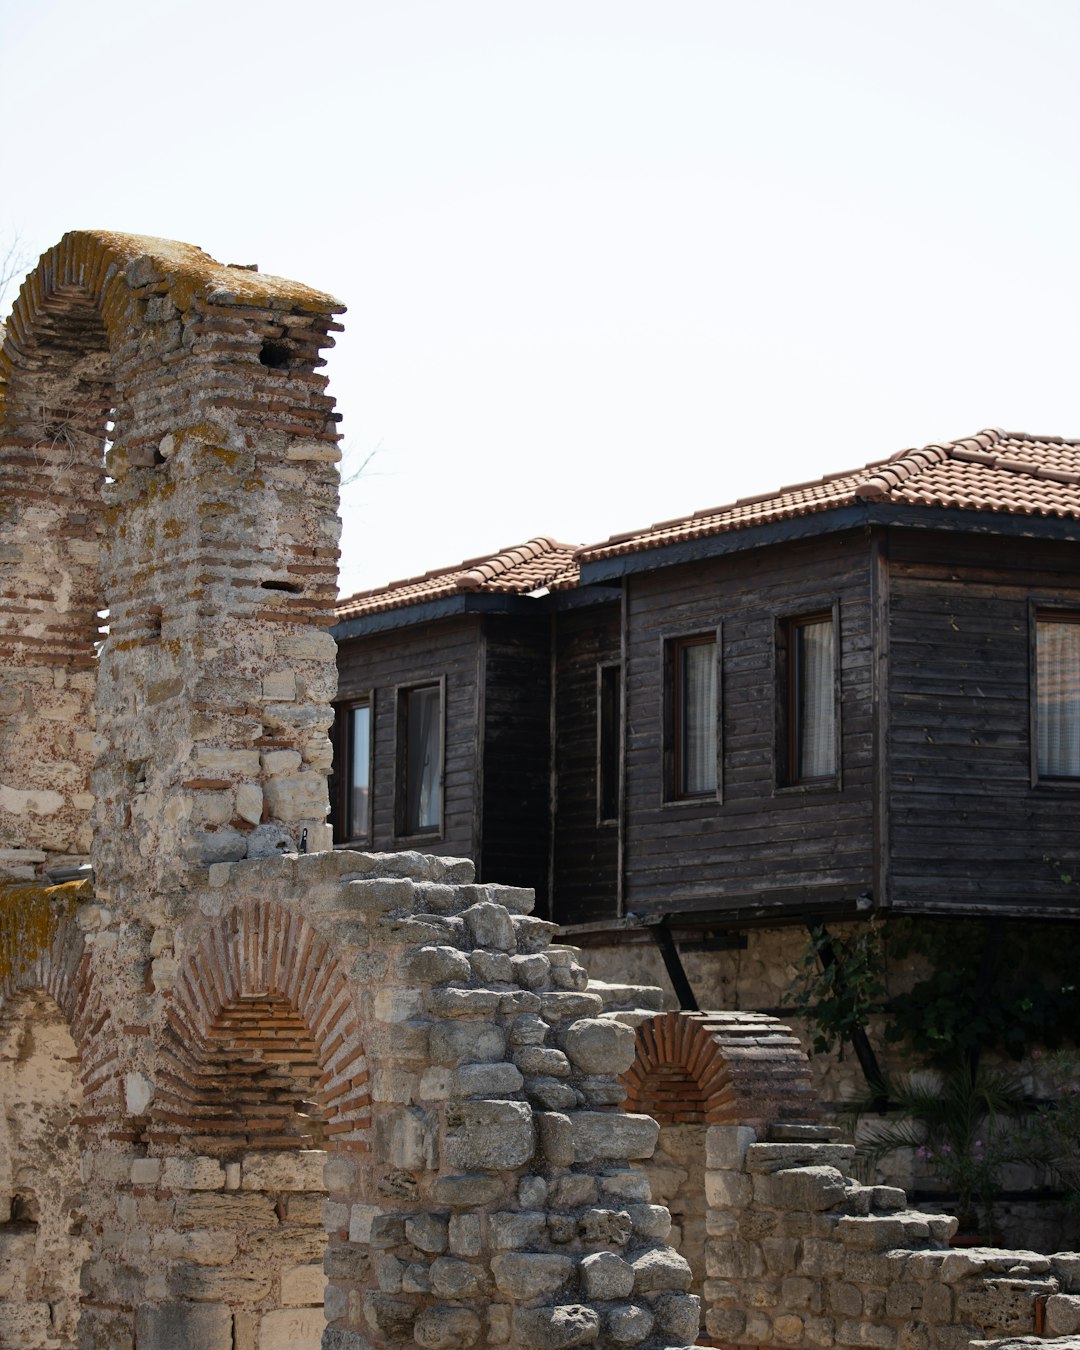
(30, 915)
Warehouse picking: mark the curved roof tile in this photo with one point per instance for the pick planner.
(515, 570)
(995, 470)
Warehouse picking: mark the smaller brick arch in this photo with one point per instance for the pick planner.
(39, 921)
(262, 1044)
(720, 1068)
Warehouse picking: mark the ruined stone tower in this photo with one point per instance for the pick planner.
(287, 1091)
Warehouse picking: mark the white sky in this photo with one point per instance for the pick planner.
(606, 261)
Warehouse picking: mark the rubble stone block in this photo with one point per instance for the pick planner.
(606, 1276)
(556, 1328)
(179, 1326)
(447, 1328)
(292, 1329)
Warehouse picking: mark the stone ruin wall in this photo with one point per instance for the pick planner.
(313, 1089)
(799, 1254)
(331, 1090)
(168, 455)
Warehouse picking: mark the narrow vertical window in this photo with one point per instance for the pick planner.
(350, 783)
(608, 735)
(1057, 695)
(693, 671)
(358, 785)
(420, 742)
(811, 699)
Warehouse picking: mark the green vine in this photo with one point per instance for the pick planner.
(841, 983)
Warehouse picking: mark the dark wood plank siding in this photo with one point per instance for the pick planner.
(385, 662)
(585, 853)
(968, 829)
(517, 778)
(760, 850)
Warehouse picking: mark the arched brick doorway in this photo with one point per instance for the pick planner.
(693, 1070)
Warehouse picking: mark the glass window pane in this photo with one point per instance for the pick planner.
(359, 786)
(423, 772)
(815, 700)
(698, 718)
(1057, 715)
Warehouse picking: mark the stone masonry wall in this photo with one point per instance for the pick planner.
(799, 1254)
(482, 1186)
(214, 511)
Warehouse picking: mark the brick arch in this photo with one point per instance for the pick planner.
(261, 1026)
(61, 964)
(719, 1068)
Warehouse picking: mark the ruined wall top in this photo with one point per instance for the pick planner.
(168, 454)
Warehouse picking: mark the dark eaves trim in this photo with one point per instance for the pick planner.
(472, 602)
(448, 607)
(1006, 524)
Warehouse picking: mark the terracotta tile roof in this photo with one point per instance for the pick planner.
(516, 570)
(996, 470)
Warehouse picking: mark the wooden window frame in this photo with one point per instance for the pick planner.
(607, 669)
(341, 781)
(785, 752)
(1044, 610)
(401, 759)
(671, 646)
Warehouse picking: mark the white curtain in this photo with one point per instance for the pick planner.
(425, 760)
(699, 718)
(1057, 713)
(815, 699)
(359, 770)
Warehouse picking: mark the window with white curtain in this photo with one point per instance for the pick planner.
(419, 760)
(811, 669)
(1057, 695)
(694, 688)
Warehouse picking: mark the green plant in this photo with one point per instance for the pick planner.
(840, 983)
(991, 985)
(1050, 1137)
(955, 1121)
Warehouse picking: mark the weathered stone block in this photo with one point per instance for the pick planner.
(299, 1171)
(513, 1229)
(1063, 1315)
(606, 1276)
(528, 1275)
(427, 1232)
(447, 1328)
(489, 1134)
(599, 1045)
(602, 1135)
(556, 1328)
(467, 1042)
(850, 1332)
(179, 1326)
(630, 1324)
(804, 1188)
(291, 1329)
(660, 1268)
(192, 1174)
(458, 1279)
(728, 1190)
(470, 1190)
(485, 1080)
(489, 925)
(464, 1234)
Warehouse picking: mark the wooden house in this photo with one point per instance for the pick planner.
(857, 694)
